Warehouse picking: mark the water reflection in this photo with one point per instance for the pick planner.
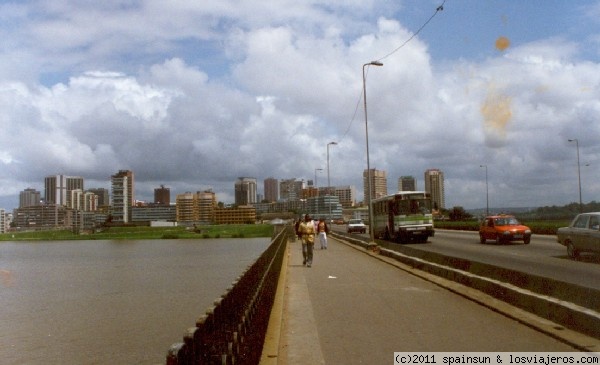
(110, 302)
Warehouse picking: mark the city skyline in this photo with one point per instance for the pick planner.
(195, 94)
(81, 179)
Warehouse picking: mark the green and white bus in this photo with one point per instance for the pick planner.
(403, 217)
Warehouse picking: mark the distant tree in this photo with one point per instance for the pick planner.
(459, 214)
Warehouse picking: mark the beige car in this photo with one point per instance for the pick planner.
(582, 235)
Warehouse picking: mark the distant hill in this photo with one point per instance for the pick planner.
(506, 210)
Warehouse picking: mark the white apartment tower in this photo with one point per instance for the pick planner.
(123, 197)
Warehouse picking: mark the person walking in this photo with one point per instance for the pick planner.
(322, 230)
(307, 229)
(297, 229)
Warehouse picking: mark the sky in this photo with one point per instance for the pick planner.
(194, 94)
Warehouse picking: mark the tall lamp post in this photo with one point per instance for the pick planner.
(371, 233)
(578, 173)
(487, 195)
(317, 191)
(328, 181)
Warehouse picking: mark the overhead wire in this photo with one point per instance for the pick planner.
(437, 10)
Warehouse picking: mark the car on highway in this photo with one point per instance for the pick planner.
(503, 228)
(582, 235)
(356, 225)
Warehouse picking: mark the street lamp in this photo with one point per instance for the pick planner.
(328, 181)
(370, 193)
(317, 191)
(578, 173)
(487, 195)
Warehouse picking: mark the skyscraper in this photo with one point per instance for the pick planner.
(103, 196)
(378, 184)
(245, 191)
(291, 189)
(58, 188)
(162, 195)
(123, 196)
(271, 186)
(434, 185)
(207, 203)
(29, 198)
(407, 183)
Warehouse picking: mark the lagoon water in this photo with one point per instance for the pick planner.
(110, 302)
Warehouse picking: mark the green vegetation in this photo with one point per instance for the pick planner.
(537, 226)
(543, 220)
(146, 233)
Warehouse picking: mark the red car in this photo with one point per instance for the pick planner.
(503, 228)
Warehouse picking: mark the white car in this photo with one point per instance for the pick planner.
(582, 235)
(356, 225)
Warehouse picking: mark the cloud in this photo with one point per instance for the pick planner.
(194, 95)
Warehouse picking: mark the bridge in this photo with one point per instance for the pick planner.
(356, 305)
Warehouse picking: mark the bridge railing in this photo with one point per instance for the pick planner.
(232, 331)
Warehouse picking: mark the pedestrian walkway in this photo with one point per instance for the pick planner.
(353, 307)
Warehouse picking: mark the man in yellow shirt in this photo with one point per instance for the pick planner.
(307, 229)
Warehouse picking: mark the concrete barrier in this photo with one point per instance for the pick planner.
(572, 306)
(232, 331)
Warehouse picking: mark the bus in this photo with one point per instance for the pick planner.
(403, 217)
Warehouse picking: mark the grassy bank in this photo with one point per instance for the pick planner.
(147, 233)
(537, 226)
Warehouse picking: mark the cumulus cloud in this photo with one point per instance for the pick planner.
(194, 95)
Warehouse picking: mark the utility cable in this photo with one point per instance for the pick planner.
(437, 10)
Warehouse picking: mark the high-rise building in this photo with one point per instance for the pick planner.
(162, 195)
(245, 191)
(407, 183)
(123, 196)
(58, 188)
(187, 207)
(103, 196)
(291, 189)
(29, 198)
(271, 186)
(3, 221)
(434, 185)
(83, 200)
(378, 184)
(207, 203)
(346, 195)
(196, 207)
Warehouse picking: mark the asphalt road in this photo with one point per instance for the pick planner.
(544, 256)
(352, 308)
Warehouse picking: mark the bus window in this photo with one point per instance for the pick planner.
(403, 207)
(414, 207)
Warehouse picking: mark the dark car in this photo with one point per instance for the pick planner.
(582, 235)
(356, 225)
(503, 228)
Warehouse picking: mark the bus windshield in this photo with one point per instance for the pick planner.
(413, 206)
